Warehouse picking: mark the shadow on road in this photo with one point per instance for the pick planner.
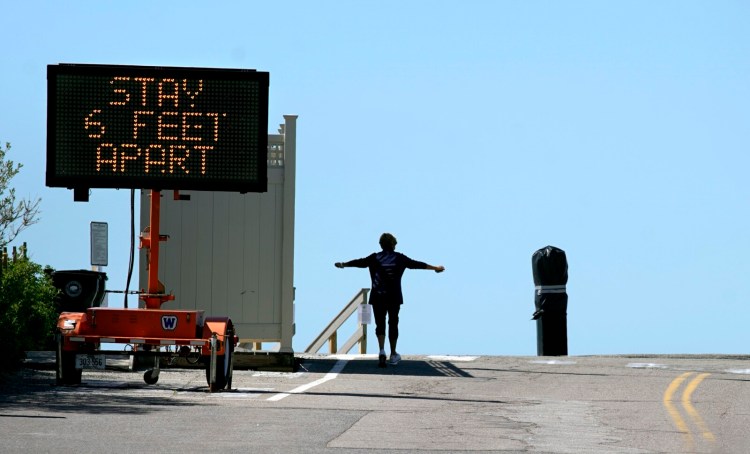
(416, 368)
(34, 391)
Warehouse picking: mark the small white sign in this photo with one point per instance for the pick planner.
(99, 244)
(365, 314)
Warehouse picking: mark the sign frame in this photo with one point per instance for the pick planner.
(74, 90)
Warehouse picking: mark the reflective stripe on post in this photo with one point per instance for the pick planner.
(542, 289)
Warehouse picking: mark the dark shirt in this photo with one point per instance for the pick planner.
(386, 269)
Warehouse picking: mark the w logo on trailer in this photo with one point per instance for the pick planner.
(169, 322)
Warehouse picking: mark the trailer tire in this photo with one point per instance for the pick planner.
(220, 331)
(223, 373)
(69, 375)
(150, 378)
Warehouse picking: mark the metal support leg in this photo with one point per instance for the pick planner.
(58, 358)
(157, 367)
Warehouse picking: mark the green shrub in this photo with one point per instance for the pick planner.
(28, 313)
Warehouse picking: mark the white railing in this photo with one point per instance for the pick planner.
(330, 334)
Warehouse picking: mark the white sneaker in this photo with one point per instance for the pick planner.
(395, 358)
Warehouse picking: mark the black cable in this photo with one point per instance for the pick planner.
(132, 244)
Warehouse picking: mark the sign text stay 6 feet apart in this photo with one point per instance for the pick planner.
(112, 126)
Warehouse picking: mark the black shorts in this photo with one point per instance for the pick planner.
(383, 307)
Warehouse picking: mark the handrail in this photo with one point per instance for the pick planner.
(330, 333)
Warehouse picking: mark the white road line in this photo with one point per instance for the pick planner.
(647, 366)
(561, 362)
(338, 367)
(452, 358)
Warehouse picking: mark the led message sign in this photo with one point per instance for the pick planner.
(111, 126)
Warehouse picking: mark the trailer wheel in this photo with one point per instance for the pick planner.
(219, 331)
(150, 378)
(223, 369)
(69, 375)
(223, 374)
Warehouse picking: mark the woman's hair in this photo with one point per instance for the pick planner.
(388, 242)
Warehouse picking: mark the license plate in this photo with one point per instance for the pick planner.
(90, 361)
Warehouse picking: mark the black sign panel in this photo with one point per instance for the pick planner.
(111, 126)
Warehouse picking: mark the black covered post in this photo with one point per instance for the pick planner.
(550, 268)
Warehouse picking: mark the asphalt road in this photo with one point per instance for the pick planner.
(618, 404)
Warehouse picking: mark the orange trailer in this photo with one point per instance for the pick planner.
(147, 330)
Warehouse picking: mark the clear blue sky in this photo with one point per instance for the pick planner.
(475, 131)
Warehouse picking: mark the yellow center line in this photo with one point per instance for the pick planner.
(692, 411)
(674, 413)
(687, 404)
